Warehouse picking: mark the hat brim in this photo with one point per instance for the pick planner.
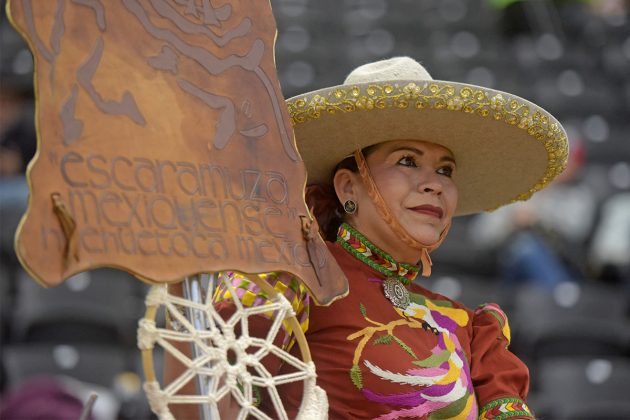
(506, 148)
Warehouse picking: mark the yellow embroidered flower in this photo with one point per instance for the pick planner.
(497, 102)
(365, 103)
(455, 103)
(411, 91)
(318, 102)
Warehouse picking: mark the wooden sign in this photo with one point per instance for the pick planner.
(164, 145)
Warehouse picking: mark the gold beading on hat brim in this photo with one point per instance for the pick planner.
(506, 148)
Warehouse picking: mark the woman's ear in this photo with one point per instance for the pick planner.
(344, 182)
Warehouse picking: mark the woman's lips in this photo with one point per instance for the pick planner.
(430, 210)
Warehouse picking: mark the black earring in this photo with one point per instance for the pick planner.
(350, 206)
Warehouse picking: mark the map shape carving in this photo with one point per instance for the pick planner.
(164, 145)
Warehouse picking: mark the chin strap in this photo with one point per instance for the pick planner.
(392, 222)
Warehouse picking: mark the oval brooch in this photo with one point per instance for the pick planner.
(396, 292)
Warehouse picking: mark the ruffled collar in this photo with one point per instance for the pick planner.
(365, 251)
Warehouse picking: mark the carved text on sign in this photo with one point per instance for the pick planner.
(165, 146)
(138, 206)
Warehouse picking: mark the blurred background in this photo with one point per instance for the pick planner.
(558, 264)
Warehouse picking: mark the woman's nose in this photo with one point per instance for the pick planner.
(430, 184)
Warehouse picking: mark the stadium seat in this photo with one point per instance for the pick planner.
(583, 388)
(98, 306)
(6, 299)
(459, 254)
(109, 371)
(572, 320)
(469, 289)
(91, 363)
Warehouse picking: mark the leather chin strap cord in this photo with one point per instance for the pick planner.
(392, 222)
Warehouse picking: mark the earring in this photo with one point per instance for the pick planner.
(350, 206)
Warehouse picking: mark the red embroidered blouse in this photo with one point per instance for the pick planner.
(435, 359)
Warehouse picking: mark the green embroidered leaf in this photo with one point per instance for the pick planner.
(257, 396)
(418, 299)
(384, 339)
(442, 303)
(421, 300)
(451, 410)
(434, 360)
(256, 393)
(405, 347)
(362, 309)
(355, 376)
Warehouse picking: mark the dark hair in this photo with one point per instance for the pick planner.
(326, 208)
(323, 201)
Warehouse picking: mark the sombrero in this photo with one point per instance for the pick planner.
(506, 147)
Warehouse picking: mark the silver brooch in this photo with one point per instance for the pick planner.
(396, 292)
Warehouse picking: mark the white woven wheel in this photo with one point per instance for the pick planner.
(230, 364)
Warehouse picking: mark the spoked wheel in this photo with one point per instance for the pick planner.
(227, 364)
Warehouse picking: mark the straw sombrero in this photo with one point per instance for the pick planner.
(506, 147)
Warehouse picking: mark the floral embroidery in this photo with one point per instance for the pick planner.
(505, 408)
(443, 378)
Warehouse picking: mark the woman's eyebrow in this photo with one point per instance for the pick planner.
(408, 148)
(445, 158)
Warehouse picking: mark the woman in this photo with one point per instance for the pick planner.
(392, 156)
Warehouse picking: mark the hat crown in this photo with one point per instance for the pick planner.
(397, 68)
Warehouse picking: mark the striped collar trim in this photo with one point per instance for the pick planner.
(362, 249)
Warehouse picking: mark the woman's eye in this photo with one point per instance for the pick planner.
(446, 170)
(409, 161)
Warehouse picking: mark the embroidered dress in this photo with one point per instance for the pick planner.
(428, 358)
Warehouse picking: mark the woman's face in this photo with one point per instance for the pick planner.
(415, 181)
